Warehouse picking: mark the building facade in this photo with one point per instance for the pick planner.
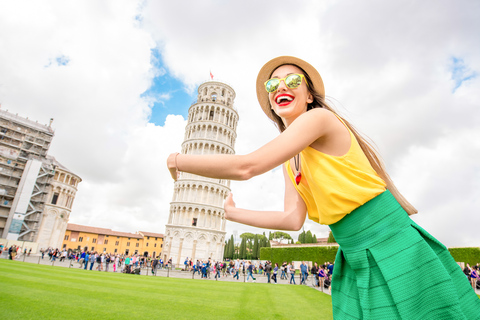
(78, 237)
(196, 223)
(27, 176)
(62, 190)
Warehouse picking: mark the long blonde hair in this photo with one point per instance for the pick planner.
(368, 149)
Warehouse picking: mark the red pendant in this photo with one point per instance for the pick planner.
(298, 177)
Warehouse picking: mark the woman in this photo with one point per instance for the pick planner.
(321, 276)
(474, 277)
(332, 173)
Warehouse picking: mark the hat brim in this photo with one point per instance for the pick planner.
(267, 70)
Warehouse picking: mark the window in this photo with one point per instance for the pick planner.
(115, 251)
(146, 245)
(194, 222)
(93, 248)
(137, 245)
(66, 237)
(155, 245)
(94, 240)
(156, 238)
(104, 249)
(64, 245)
(55, 198)
(116, 243)
(161, 246)
(107, 235)
(128, 244)
(148, 238)
(211, 115)
(128, 238)
(105, 242)
(80, 239)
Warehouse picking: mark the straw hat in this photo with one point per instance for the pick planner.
(267, 70)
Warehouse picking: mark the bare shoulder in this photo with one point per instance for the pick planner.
(322, 114)
(326, 118)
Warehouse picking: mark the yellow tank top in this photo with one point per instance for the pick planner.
(335, 186)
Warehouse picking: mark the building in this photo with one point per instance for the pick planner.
(78, 237)
(61, 193)
(27, 179)
(196, 223)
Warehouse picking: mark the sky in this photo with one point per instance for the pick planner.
(119, 76)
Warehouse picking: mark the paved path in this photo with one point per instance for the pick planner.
(37, 259)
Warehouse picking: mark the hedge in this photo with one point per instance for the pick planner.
(323, 254)
(467, 255)
(289, 254)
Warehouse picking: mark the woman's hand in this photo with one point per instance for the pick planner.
(172, 165)
(229, 206)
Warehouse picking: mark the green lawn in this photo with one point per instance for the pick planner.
(30, 291)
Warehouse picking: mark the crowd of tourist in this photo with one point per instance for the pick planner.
(473, 275)
(14, 251)
(321, 274)
(205, 268)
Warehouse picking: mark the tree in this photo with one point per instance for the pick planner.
(331, 239)
(255, 248)
(279, 235)
(270, 235)
(308, 237)
(231, 248)
(315, 239)
(301, 237)
(248, 236)
(243, 249)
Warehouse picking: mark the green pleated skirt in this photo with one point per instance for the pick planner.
(387, 267)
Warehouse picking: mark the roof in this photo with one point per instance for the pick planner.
(110, 232)
(151, 234)
(26, 122)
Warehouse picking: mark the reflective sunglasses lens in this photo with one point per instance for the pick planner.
(293, 81)
(272, 85)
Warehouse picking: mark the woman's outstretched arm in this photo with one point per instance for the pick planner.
(305, 130)
(291, 218)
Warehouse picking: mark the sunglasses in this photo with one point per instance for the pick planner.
(292, 81)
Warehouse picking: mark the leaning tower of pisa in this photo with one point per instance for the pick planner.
(196, 224)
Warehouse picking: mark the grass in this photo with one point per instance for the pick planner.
(30, 291)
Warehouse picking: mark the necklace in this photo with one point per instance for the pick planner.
(298, 177)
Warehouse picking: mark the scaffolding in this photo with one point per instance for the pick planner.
(23, 142)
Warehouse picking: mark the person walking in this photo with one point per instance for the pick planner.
(250, 271)
(291, 272)
(268, 270)
(314, 272)
(275, 271)
(304, 273)
(92, 259)
(284, 271)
